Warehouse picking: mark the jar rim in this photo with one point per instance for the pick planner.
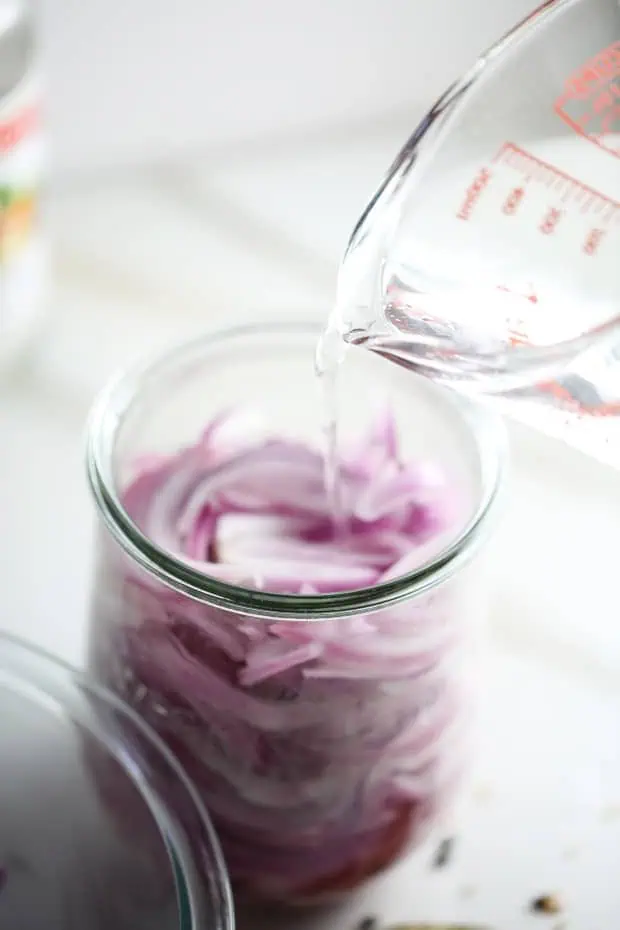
(107, 416)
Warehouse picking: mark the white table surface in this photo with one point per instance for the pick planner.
(145, 258)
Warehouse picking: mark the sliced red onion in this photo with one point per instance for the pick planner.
(260, 512)
(321, 747)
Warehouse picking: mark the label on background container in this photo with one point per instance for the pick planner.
(23, 255)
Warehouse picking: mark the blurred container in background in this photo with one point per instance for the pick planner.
(22, 158)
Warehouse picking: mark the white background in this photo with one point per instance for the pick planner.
(137, 80)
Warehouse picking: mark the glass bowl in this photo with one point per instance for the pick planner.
(85, 837)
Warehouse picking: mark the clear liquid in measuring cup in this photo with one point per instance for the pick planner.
(492, 281)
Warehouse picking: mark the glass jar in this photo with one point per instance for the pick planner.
(90, 833)
(321, 775)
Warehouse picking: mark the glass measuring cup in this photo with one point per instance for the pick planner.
(489, 256)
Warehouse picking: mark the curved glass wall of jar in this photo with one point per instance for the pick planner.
(323, 731)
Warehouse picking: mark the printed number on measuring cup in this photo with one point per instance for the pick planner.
(513, 200)
(550, 222)
(593, 241)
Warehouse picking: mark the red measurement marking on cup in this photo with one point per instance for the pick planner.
(571, 194)
(473, 193)
(511, 186)
(568, 187)
(567, 196)
(590, 102)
